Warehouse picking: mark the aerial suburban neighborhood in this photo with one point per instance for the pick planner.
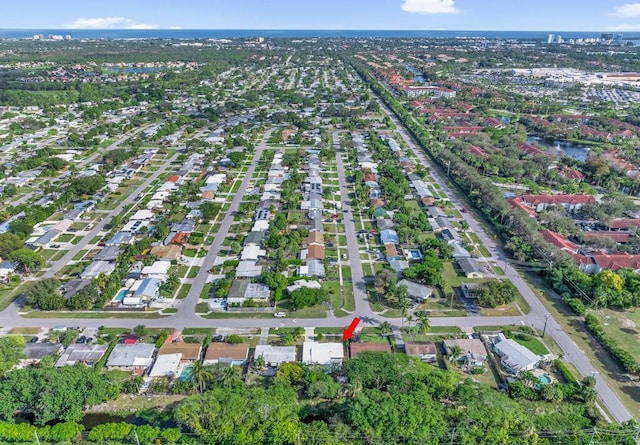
(317, 233)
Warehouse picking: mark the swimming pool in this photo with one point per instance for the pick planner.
(544, 380)
(414, 254)
(185, 374)
(120, 295)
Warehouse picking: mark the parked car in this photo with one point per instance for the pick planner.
(33, 340)
(218, 338)
(280, 314)
(81, 339)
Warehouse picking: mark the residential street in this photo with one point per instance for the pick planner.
(536, 317)
(186, 316)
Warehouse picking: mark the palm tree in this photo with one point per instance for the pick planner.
(455, 353)
(409, 321)
(423, 322)
(230, 377)
(259, 363)
(354, 388)
(385, 328)
(200, 376)
(404, 307)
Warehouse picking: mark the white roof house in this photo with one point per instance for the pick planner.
(515, 357)
(248, 269)
(252, 252)
(299, 284)
(142, 215)
(159, 270)
(275, 355)
(260, 225)
(136, 356)
(322, 353)
(417, 292)
(166, 365)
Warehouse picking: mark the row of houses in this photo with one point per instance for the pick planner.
(313, 251)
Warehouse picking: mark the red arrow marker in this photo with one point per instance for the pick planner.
(348, 333)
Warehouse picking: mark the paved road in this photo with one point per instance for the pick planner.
(357, 275)
(187, 310)
(536, 317)
(186, 316)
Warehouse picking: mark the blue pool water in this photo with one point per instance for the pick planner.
(185, 374)
(120, 295)
(544, 379)
(414, 254)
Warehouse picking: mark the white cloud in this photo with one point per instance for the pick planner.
(429, 6)
(628, 10)
(175, 27)
(107, 23)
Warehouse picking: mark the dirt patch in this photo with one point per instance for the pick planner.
(135, 403)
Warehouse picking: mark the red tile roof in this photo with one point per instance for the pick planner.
(618, 237)
(534, 200)
(173, 178)
(559, 241)
(477, 151)
(624, 223)
(617, 261)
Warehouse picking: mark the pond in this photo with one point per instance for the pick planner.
(578, 152)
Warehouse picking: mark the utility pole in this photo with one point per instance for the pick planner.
(35, 433)
(546, 319)
(137, 439)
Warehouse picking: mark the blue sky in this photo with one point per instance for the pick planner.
(514, 15)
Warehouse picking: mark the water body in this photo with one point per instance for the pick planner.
(419, 77)
(191, 34)
(578, 152)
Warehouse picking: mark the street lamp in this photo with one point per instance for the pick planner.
(546, 319)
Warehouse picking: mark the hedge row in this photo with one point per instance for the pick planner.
(624, 357)
(566, 373)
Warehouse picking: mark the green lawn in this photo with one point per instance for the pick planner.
(317, 311)
(623, 327)
(184, 290)
(531, 343)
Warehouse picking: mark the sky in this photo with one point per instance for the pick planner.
(498, 15)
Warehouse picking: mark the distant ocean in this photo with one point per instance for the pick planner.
(191, 34)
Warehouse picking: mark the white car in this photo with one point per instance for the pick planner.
(280, 314)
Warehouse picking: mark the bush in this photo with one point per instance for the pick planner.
(233, 339)
(110, 431)
(477, 371)
(568, 375)
(577, 306)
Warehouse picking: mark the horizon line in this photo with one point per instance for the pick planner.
(302, 29)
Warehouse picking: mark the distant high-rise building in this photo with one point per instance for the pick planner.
(550, 38)
(606, 36)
